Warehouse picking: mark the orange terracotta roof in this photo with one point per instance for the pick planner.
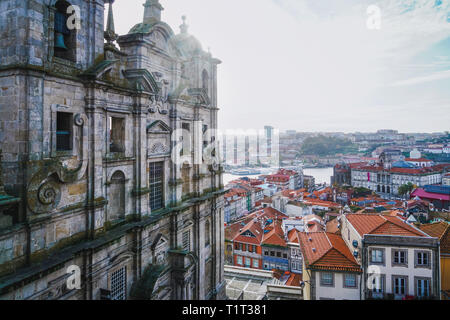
(323, 203)
(439, 230)
(294, 280)
(291, 193)
(417, 160)
(293, 236)
(271, 212)
(314, 226)
(380, 224)
(252, 223)
(232, 230)
(327, 251)
(275, 237)
(278, 178)
(254, 228)
(424, 170)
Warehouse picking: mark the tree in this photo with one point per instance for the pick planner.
(361, 191)
(405, 189)
(326, 146)
(142, 289)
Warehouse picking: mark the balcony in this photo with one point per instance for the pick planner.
(391, 296)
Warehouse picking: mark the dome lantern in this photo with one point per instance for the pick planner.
(152, 11)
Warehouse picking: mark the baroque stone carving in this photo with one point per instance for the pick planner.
(44, 195)
(78, 120)
(158, 148)
(48, 192)
(44, 192)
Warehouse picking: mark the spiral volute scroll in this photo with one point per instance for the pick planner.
(44, 194)
(78, 120)
(48, 193)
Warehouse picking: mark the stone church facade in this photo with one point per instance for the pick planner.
(104, 188)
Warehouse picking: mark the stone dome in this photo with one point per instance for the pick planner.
(187, 44)
(148, 25)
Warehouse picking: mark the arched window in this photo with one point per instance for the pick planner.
(65, 34)
(207, 234)
(388, 189)
(116, 197)
(205, 80)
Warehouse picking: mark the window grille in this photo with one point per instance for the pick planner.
(156, 185)
(119, 284)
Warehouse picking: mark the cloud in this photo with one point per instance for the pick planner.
(313, 65)
(428, 78)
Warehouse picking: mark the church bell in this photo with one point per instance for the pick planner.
(59, 42)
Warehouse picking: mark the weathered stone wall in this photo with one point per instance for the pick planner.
(14, 32)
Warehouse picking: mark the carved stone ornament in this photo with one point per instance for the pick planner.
(48, 192)
(44, 194)
(44, 188)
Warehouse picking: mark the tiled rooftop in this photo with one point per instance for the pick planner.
(439, 230)
(381, 224)
(327, 251)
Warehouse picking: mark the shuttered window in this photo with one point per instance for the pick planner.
(187, 241)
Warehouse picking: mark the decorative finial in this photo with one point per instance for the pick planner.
(110, 33)
(184, 27)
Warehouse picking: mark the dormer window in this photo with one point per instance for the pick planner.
(65, 37)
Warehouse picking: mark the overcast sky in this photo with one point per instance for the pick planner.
(311, 65)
